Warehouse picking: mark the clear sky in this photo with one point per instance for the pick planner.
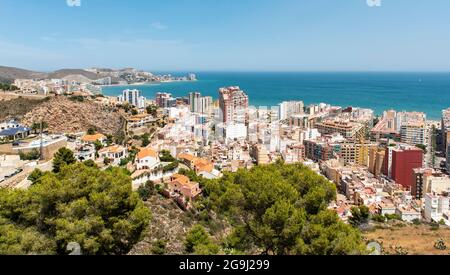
(233, 35)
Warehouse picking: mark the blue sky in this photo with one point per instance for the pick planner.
(231, 35)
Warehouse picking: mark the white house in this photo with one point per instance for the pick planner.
(147, 159)
(114, 153)
(436, 207)
(91, 139)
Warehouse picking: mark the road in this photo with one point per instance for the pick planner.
(21, 180)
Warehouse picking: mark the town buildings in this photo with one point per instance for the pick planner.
(437, 208)
(113, 154)
(348, 129)
(181, 185)
(92, 139)
(445, 131)
(290, 108)
(11, 130)
(233, 105)
(374, 165)
(404, 161)
(429, 180)
(165, 100)
(199, 104)
(133, 97)
(147, 159)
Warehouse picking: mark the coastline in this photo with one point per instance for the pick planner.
(154, 83)
(379, 92)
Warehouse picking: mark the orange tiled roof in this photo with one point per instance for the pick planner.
(199, 163)
(93, 138)
(181, 179)
(113, 149)
(188, 157)
(203, 165)
(147, 152)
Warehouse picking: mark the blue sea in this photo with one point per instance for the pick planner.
(426, 92)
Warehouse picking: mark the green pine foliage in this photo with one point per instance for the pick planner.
(82, 204)
(281, 209)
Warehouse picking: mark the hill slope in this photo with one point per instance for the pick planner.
(66, 116)
(9, 74)
(17, 108)
(71, 72)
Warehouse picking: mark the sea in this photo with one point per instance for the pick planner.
(424, 92)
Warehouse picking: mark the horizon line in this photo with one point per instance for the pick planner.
(234, 70)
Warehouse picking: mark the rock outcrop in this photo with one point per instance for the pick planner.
(64, 115)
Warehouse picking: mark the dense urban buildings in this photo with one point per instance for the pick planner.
(389, 164)
(165, 100)
(445, 132)
(233, 105)
(199, 104)
(404, 161)
(134, 98)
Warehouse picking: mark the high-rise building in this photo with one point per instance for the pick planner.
(356, 153)
(404, 161)
(233, 105)
(412, 127)
(206, 105)
(386, 127)
(446, 136)
(199, 104)
(289, 108)
(194, 101)
(133, 97)
(376, 159)
(165, 100)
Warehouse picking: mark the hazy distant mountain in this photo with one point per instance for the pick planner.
(70, 72)
(9, 74)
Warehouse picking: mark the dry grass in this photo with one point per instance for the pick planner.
(417, 240)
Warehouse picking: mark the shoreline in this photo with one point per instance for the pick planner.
(155, 83)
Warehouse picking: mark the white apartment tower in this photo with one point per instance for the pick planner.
(134, 98)
(289, 108)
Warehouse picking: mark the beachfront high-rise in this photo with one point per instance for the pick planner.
(199, 104)
(165, 100)
(133, 97)
(289, 108)
(233, 105)
(446, 136)
(194, 101)
(412, 127)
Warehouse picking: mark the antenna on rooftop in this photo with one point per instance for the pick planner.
(41, 146)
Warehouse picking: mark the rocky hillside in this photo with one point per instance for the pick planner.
(17, 108)
(64, 115)
(169, 224)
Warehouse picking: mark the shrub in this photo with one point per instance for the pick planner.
(146, 191)
(159, 247)
(390, 217)
(378, 218)
(32, 155)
